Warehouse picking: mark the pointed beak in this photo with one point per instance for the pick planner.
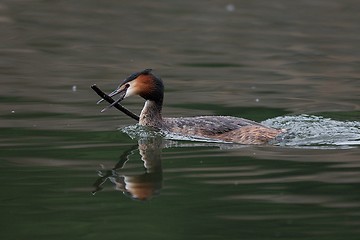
(113, 93)
(121, 91)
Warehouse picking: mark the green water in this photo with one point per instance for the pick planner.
(201, 191)
(71, 172)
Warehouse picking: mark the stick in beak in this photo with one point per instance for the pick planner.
(117, 106)
(120, 90)
(113, 93)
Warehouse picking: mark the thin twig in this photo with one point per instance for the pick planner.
(117, 105)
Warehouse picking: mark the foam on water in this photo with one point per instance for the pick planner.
(307, 130)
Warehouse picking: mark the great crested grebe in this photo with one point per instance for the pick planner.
(224, 128)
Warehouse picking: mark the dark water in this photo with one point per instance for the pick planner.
(71, 172)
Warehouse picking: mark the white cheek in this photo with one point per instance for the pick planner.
(130, 92)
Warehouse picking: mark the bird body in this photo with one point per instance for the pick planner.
(224, 128)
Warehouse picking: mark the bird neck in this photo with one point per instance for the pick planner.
(151, 115)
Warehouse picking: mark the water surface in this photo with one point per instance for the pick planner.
(69, 171)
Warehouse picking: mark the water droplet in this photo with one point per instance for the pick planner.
(230, 8)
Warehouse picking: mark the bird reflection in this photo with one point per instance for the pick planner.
(142, 186)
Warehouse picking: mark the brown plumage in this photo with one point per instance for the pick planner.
(225, 128)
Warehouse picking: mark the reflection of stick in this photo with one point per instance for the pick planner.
(112, 173)
(117, 106)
